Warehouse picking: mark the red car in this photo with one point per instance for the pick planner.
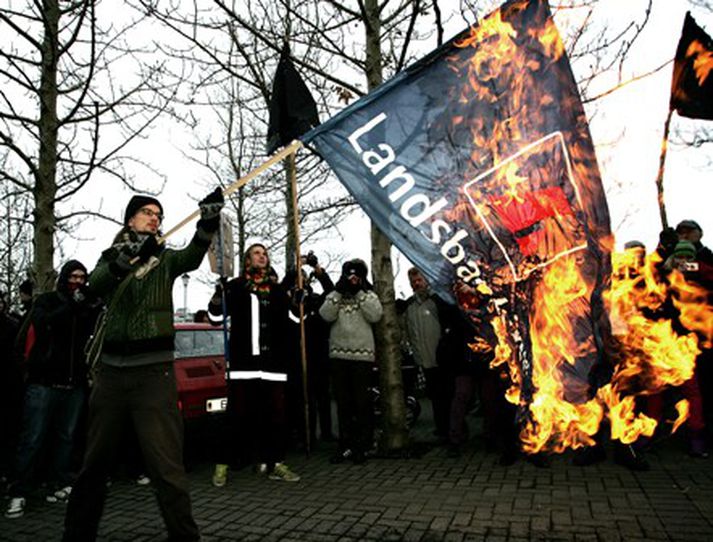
(200, 370)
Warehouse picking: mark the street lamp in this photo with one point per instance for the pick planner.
(185, 278)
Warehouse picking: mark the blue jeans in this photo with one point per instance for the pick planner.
(47, 411)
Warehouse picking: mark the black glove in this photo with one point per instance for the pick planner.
(311, 259)
(667, 241)
(212, 204)
(79, 295)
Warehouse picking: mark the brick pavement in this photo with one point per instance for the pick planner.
(429, 498)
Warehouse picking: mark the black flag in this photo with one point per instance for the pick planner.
(293, 111)
(692, 84)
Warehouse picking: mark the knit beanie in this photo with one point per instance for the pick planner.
(688, 225)
(684, 249)
(137, 202)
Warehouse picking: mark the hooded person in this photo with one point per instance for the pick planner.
(257, 376)
(351, 309)
(317, 353)
(135, 380)
(59, 326)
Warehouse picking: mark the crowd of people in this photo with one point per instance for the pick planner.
(94, 357)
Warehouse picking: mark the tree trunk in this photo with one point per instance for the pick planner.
(387, 331)
(45, 188)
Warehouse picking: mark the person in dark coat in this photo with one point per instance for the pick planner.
(60, 324)
(11, 387)
(317, 349)
(257, 375)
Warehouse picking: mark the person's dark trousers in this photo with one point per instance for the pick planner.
(11, 399)
(350, 383)
(47, 411)
(439, 391)
(256, 422)
(146, 397)
(320, 400)
(294, 403)
(463, 389)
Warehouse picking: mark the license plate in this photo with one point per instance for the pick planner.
(216, 405)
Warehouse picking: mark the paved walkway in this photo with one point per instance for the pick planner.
(430, 498)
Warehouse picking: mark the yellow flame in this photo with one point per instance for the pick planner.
(653, 355)
(683, 408)
(702, 61)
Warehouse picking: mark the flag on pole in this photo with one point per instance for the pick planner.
(477, 160)
(293, 111)
(477, 163)
(692, 83)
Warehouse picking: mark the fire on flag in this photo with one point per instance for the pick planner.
(478, 164)
(692, 84)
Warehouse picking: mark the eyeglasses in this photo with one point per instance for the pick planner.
(148, 212)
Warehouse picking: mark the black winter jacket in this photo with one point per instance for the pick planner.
(266, 358)
(61, 329)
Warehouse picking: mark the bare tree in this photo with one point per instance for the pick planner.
(64, 79)
(233, 70)
(16, 238)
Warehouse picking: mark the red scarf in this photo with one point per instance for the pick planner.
(258, 282)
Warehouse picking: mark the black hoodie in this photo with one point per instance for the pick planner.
(61, 327)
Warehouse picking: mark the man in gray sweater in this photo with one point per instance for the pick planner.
(351, 309)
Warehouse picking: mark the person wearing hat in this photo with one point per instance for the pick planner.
(59, 326)
(689, 230)
(351, 309)
(135, 381)
(685, 257)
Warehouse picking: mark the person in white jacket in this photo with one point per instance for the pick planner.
(351, 309)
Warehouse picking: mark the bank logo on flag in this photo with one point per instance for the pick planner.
(529, 205)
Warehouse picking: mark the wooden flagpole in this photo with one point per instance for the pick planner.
(662, 165)
(292, 167)
(287, 151)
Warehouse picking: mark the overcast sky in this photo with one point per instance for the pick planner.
(626, 127)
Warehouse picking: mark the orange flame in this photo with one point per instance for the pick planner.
(703, 61)
(682, 407)
(654, 355)
(563, 412)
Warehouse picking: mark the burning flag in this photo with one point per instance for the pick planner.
(692, 84)
(477, 163)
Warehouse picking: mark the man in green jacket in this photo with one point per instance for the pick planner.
(135, 382)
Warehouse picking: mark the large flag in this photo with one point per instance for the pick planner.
(692, 84)
(476, 161)
(293, 111)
